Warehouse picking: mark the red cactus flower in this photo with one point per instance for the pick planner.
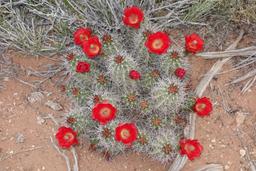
(191, 148)
(126, 133)
(194, 43)
(103, 112)
(133, 16)
(158, 43)
(180, 73)
(81, 35)
(82, 67)
(66, 137)
(135, 75)
(203, 106)
(70, 57)
(92, 47)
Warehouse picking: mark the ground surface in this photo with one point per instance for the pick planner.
(228, 135)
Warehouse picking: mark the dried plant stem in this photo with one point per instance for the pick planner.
(62, 154)
(18, 152)
(75, 167)
(215, 69)
(248, 75)
(249, 84)
(248, 51)
(211, 167)
(53, 119)
(179, 162)
(26, 83)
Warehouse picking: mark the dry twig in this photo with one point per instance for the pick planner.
(62, 154)
(19, 152)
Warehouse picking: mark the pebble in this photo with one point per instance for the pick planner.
(40, 120)
(53, 105)
(213, 140)
(226, 167)
(6, 78)
(223, 145)
(20, 138)
(242, 152)
(35, 97)
(211, 146)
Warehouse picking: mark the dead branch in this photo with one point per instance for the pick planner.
(62, 154)
(248, 51)
(248, 75)
(211, 167)
(19, 152)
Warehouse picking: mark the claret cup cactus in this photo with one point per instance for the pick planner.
(130, 83)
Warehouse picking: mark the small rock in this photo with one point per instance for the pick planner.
(240, 117)
(40, 120)
(6, 79)
(211, 146)
(242, 152)
(213, 140)
(53, 105)
(226, 167)
(20, 138)
(35, 97)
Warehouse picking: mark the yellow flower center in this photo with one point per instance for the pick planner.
(94, 48)
(189, 148)
(200, 107)
(83, 37)
(125, 134)
(134, 19)
(193, 44)
(68, 136)
(157, 44)
(105, 112)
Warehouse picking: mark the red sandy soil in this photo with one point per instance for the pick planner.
(223, 139)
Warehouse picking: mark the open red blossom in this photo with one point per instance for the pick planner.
(66, 137)
(92, 47)
(191, 148)
(203, 106)
(135, 75)
(133, 16)
(103, 112)
(158, 43)
(180, 73)
(82, 67)
(81, 35)
(126, 133)
(194, 43)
